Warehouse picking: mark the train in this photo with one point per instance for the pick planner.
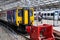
(21, 17)
(47, 14)
(50, 14)
(35, 14)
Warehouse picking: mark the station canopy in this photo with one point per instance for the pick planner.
(9, 4)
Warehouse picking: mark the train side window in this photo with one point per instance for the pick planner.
(48, 14)
(45, 14)
(52, 14)
(20, 12)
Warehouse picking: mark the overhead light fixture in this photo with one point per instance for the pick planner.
(1, 9)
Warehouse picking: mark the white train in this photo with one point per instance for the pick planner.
(35, 14)
(47, 14)
(50, 14)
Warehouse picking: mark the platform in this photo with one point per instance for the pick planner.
(4, 35)
(56, 29)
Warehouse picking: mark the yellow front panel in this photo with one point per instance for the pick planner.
(32, 17)
(18, 18)
(25, 16)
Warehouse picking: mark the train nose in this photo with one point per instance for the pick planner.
(22, 29)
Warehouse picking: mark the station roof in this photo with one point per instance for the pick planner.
(8, 4)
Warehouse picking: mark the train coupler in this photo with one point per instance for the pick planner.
(45, 30)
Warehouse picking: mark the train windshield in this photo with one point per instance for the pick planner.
(20, 11)
(30, 12)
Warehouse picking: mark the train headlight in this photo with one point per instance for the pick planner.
(19, 22)
(31, 22)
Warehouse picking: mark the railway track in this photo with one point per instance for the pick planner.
(10, 28)
(57, 35)
(12, 33)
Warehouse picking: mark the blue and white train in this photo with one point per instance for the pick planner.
(48, 14)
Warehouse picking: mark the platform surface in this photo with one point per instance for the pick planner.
(7, 35)
(48, 22)
(4, 35)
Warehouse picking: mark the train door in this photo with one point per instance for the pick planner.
(44, 15)
(9, 16)
(27, 17)
(56, 16)
(19, 16)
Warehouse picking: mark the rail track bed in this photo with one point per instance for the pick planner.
(4, 35)
(12, 32)
(19, 36)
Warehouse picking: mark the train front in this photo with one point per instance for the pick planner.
(24, 17)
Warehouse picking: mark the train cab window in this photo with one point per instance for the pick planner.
(52, 14)
(20, 12)
(30, 12)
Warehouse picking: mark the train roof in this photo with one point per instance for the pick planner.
(52, 11)
(47, 11)
(36, 12)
